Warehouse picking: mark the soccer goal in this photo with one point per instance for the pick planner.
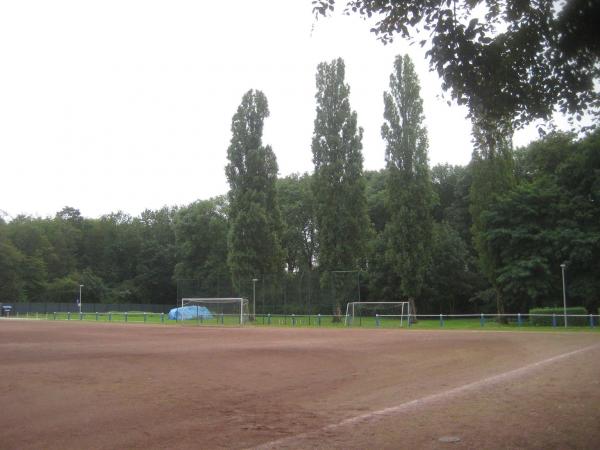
(394, 313)
(218, 310)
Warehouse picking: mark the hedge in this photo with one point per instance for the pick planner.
(571, 321)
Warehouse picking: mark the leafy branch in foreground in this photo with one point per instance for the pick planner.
(503, 59)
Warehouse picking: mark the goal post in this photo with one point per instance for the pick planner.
(215, 308)
(377, 311)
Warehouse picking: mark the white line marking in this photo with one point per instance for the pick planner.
(403, 407)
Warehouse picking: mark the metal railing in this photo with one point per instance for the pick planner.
(459, 321)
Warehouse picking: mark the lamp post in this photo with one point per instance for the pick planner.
(563, 266)
(80, 286)
(254, 280)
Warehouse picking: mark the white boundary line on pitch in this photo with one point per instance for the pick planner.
(406, 406)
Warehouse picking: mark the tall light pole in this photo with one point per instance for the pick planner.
(563, 266)
(254, 280)
(80, 286)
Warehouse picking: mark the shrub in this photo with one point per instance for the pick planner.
(547, 320)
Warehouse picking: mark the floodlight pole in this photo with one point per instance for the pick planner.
(563, 266)
(254, 280)
(80, 286)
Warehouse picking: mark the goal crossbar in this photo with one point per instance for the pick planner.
(213, 300)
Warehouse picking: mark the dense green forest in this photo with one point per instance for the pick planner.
(489, 236)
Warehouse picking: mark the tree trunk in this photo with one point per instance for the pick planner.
(413, 310)
(337, 313)
(500, 307)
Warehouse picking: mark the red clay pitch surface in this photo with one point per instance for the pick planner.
(66, 385)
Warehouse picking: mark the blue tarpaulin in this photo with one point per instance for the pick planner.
(190, 312)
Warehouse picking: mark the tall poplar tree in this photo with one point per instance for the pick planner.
(254, 246)
(409, 189)
(493, 175)
(338, 184)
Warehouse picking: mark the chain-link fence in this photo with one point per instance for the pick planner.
(285, 293)
(52, 307)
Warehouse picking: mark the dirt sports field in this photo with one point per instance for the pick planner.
(103, 386)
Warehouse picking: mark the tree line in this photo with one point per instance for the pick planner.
(488, 236)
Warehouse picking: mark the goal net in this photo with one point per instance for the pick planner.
(380, 313)
(223, 311)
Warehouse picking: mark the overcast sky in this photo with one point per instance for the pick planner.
(127, 105)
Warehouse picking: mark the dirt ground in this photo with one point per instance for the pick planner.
(69, 385)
